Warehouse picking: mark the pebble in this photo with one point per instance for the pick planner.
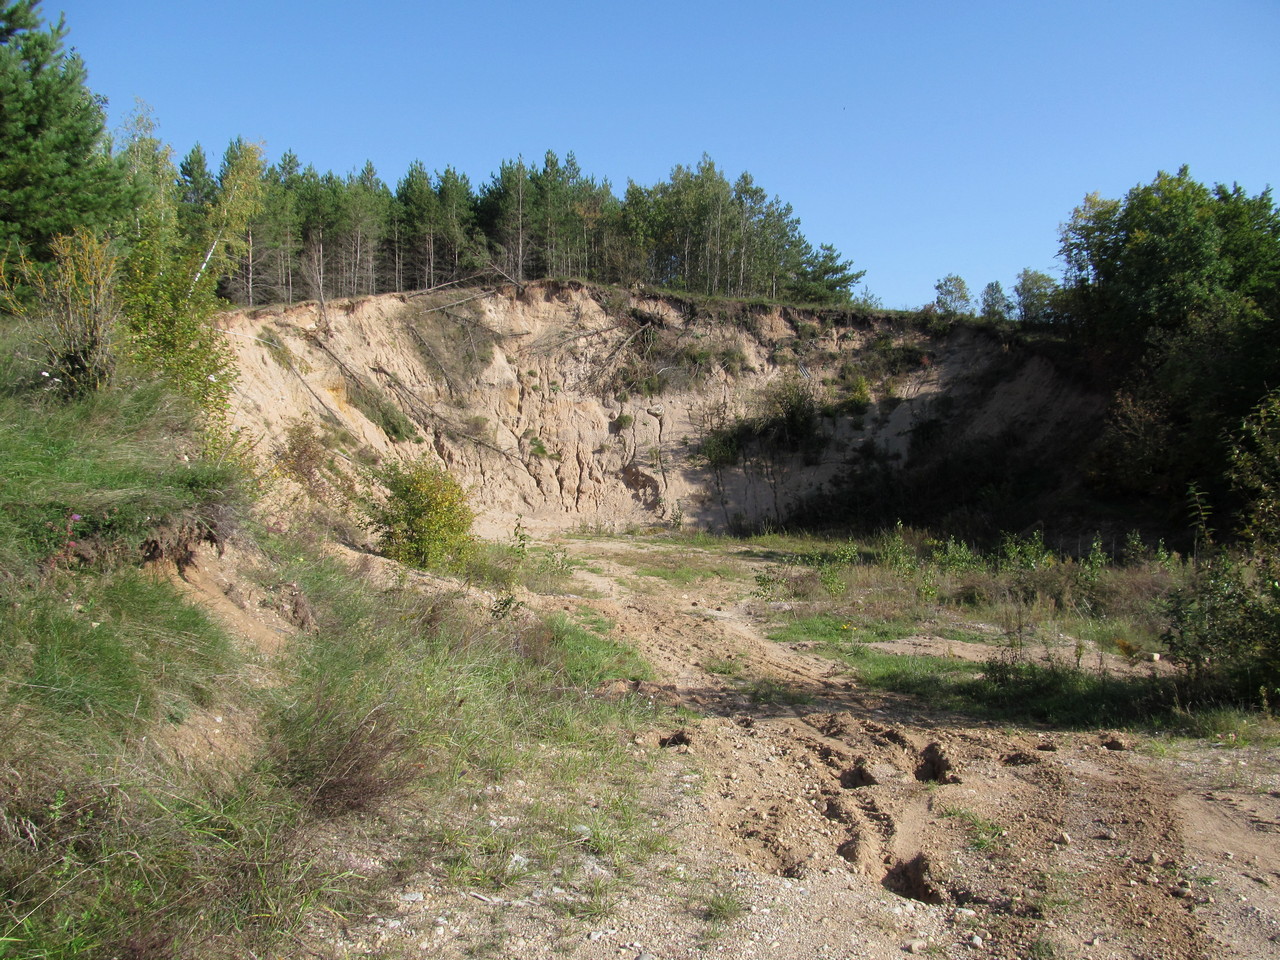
(976, 942)
(411, 897)
(965, 913)
(917, 946)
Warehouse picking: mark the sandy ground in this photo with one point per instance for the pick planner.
(862, 825)
(852, 824)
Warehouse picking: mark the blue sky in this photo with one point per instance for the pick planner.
(921, 138)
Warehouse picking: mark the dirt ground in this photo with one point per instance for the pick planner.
(856, 824)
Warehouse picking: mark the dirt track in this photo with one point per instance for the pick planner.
(859, 825)
(1061, 844)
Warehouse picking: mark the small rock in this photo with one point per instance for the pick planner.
(917, 946)
(1181, 892)
(646, 956)
(413, 897)
(1064, 838)
(1107, 835)
(976, 942)
(964, 913)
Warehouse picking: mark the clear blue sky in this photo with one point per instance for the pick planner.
(921, 138)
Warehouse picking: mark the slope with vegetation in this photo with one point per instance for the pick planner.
(263, 689)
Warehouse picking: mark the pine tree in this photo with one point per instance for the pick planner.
(419, 214)
(55, 173)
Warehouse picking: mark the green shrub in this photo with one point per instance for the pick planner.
(74, 309)
(1224, 629)
(424, 519)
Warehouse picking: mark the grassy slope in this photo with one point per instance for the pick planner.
(114, 839)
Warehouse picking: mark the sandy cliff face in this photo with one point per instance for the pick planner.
(573, 407)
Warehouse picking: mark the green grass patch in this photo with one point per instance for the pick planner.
(97, 476)
(682, 575)
(768, 691)
(588, 654)
(984, 835)
(111, 654)
(723, 666)
(381, 411)
(841, 631)
(1005, 687)
(723, 906)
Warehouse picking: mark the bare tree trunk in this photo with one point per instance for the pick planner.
(249, 266)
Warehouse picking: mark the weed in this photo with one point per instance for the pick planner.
(1042, 949)
(380, 411)
(769, 691)
(722, 906)
(597, 899)
(984, 835)
(723, 666)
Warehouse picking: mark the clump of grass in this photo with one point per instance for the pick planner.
(984, 834)
(766, 690)
(723, 666)
(723, 905)
(380, 411)
(587, 653)
(117, 652)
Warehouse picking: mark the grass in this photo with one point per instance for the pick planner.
(1230, 726)
(723, 666)
(1006, 687)
(984, 835)
(766, 690)
(432, 707)
(121, 835)
(379, 410)
(108, 657)
(587, 653)
(723, 906)
(99, 476)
